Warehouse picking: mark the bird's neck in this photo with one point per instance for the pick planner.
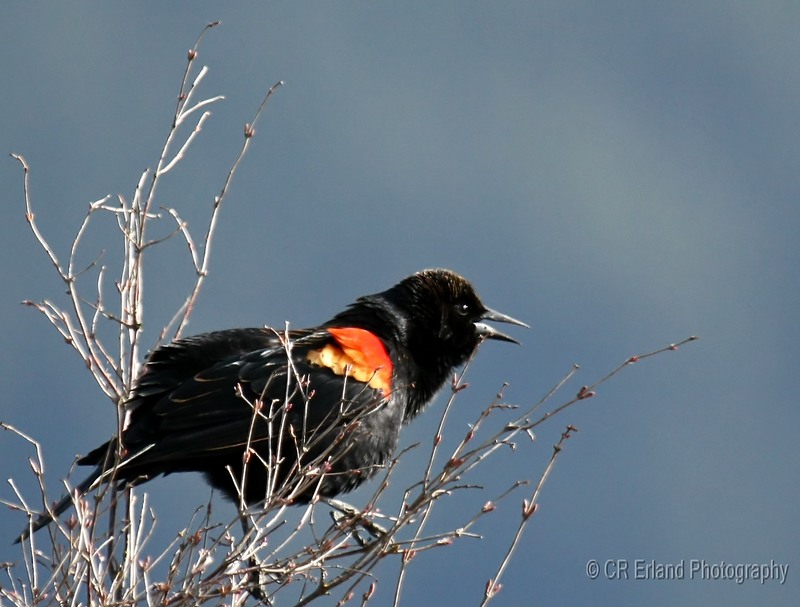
(419, 372)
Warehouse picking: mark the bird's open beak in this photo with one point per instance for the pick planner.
(488, 332)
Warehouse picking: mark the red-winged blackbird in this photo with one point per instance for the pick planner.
(298, 414)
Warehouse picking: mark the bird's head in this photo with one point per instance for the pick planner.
(443, 316)
(431, 322)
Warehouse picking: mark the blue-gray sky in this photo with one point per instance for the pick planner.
(620, 175)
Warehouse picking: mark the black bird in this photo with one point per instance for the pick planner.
(267, 414)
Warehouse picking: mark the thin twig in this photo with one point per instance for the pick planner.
(249, 132)
(529, 506)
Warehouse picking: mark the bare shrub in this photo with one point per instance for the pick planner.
(105, 552)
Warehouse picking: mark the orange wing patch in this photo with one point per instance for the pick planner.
(360, 355)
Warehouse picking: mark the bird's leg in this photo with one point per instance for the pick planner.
(344, 513)
(254, 566)
(244, 520)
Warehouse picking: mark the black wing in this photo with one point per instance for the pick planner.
(167, 368)
(170, 365)
(203, 403)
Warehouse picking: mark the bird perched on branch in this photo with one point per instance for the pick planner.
(294, 415)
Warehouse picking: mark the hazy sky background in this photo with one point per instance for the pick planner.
(620, 174)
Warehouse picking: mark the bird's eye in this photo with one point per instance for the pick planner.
(463, 309)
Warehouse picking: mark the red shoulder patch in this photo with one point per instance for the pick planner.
(363, 357)
(364, 347)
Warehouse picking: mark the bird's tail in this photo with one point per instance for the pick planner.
(59, 508)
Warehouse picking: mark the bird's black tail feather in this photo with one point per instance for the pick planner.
(59, 508)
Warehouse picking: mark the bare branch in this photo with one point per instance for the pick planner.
(202, 272)
(30, 217)
(528, 508)
(181, 153)
(107, 553)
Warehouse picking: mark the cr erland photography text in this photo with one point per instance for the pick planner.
(688, 569)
